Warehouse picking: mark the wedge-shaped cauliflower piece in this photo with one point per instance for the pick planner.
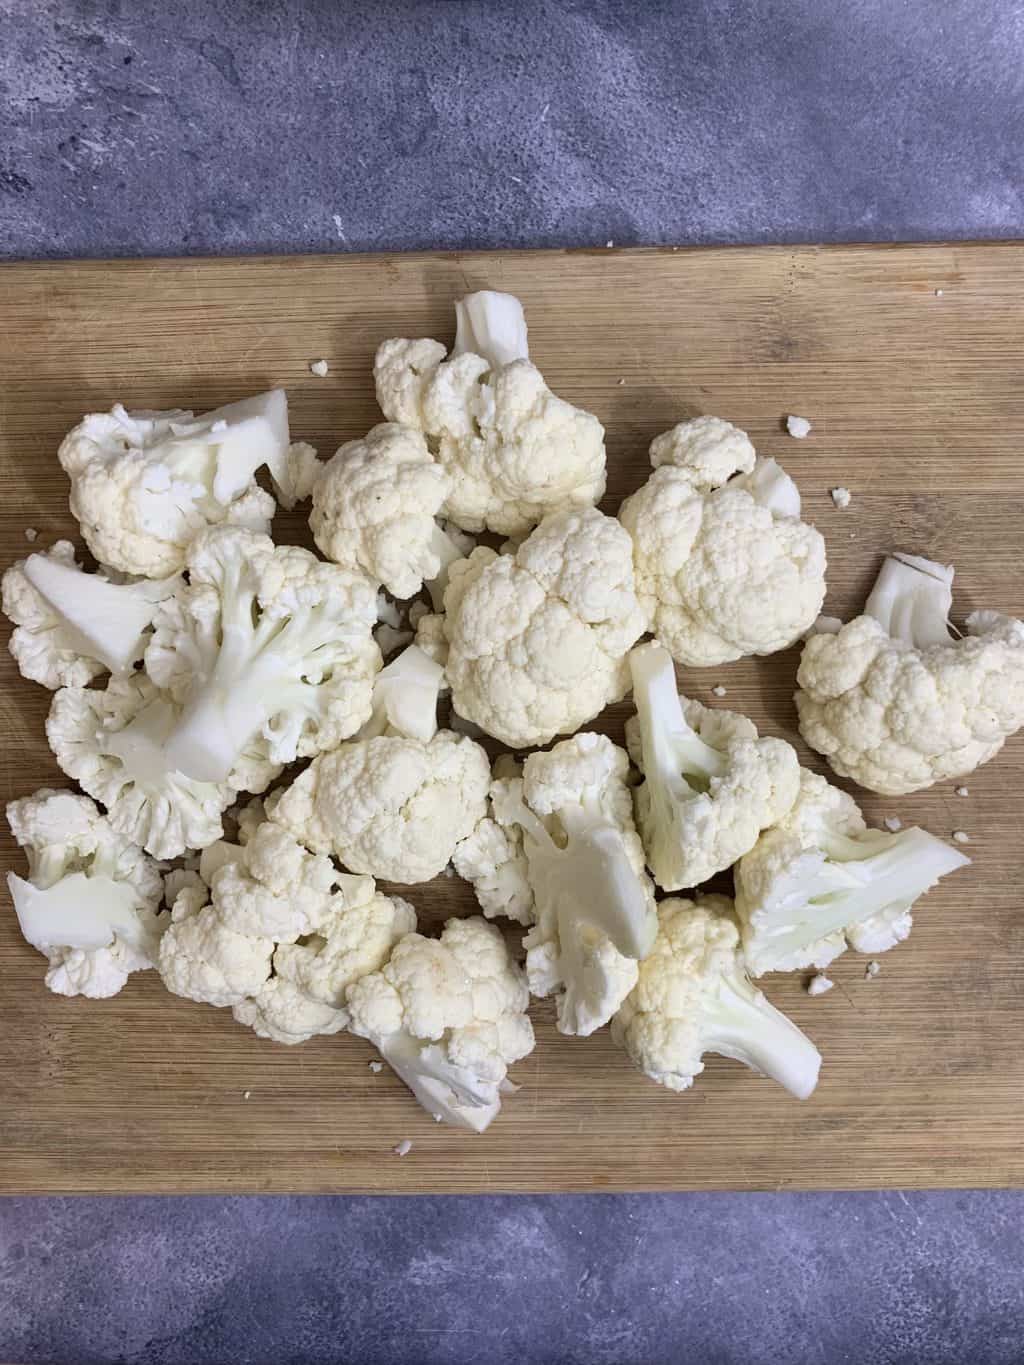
(572, 866)
(266, 643)
(405, 694)
(144, 484)
(821, 879)
(284, 1015)
(449, 1016)
(894, 701)
(694, 996)
(537, 642)
(513, 451)
(724, 565)
(91, 900)
(113, 742)
(72, 625)
(295, 480)
(711, 786)
(375, 507)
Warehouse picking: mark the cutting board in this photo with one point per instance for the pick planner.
(908, 363)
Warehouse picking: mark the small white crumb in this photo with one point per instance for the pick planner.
(437, 1118)
(938, 293)
(403, 1148)
(609, 243)
(872, 970)
(842, 497)
(719, 691)
(318, 367)
(621, 382)
(798, 427)
(893, 823)
(960, 837)
(376, 1067)
(819, 984)
(30, 534)
(246, 1094)
(961, 791)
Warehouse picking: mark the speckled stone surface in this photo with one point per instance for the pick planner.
(232, 125)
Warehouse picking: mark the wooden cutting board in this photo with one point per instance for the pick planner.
(908, 363)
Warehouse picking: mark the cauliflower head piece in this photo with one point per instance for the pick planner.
(537, 642)
(144, 484)
(448, 1015)
(724, 565)
(283, 1014)
(894, 701)
(91, 901)
(821, 880)
(693, 996)
(202, 959)
(513, 451)
(711, 785)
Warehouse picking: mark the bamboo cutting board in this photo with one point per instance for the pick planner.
(908, 362)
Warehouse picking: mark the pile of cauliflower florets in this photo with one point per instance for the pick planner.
(203, 673)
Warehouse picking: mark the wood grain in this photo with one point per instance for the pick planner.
(917, 401)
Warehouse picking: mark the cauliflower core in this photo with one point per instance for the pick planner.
(894, 701)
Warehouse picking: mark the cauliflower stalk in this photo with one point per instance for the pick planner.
(711, 785)
(90, 903)
(512, 450)
(144, 484)
(724, 565)
(265, 643)
(821, 879)
(72, 625)
(694, 996)
(449, 1016)
(894, 701)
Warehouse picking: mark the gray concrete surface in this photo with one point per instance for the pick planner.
(209, 126)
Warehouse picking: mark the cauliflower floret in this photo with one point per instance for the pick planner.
(272, 888)
(449, 1016)
(538, 641)
(694, 996)
(897, 704)
(91, 901)
(492, 858)
(374, 509)
(284, 1015)
(711, 786)
(202, 959)
(821, 878)
(265, 642)
(390, 807)
(113, 742)
(514, 451)
(73, 625)
(144, 484)
(724, 566)
(296, 481)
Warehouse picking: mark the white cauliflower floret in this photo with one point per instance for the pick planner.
(144, 484)
(724, 566)
(449, 1016)
(374, 509)
(202, 959)
(711, 785)
(514, 451)
(390, 807)
(266, 642)
(894, 701)
(73, 625)
(91, 901)
(492, 858)
(284, 1015)
(821, 879)
(538, 641)
(694, 996)
(113, 742)
(295, 481)
(272, 888)
(356, 939)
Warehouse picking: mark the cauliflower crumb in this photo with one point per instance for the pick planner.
(609, 243)
(30, 534)
(438, 1118)
(842, 497)
(798, 427)
(961, 837)
(872, 970)
(246, 1094)
(376, 1067)
(938, 293)
(893, 823)
(318, 367)
(819, 984)
(719, 691)
(961, 791)
(403, 1148)
(621, 382)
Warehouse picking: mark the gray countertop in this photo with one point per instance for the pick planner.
(208, 126)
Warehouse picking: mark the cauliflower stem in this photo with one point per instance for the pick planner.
(739, 1022)
(678, 764)
(911, 600)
